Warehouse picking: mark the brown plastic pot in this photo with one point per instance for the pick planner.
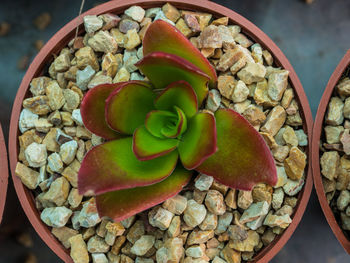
(4, 173)
(62, 37)
(316, 136)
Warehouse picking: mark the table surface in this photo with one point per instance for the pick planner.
(313, 37)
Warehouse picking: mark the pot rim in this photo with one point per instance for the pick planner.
(65, 34)
(316, 136)
(3, 173)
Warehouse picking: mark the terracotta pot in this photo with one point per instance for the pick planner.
(60, 39)
(4, 174)
(316, 136)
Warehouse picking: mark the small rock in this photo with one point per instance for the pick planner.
(214, 100)
(210, 38)
(223, 223)
(136, 231)
(274, 121)
(329, 163)
(55, 95)
(248, 244)
(172, 251)
(160, 15)
(214, 201)
(199, 237)
(62, 62)
(277, 84)
(98, 80)
(290, 137)
(343, 87)
(279, 221)
(36, 155)
(84, 77)
(161, 218)
(255, 211)
(86, 57)
(176, 204)
(295, 164)
(56, 216)
(204, 182)
(78, 250)
(293, 187)
(68, 151)
(99, 258)
(137, 13)
(110, 21)
(143, 245)
(245, 199)
(97, 244)
(334, 115)
(122, 76)
(126, 24)
(251, 73)
(58, 192)
(277, 198)
(63, 234)
(28, 176)
(92, 23)
(74, 198)
(55, 163)
(196, 251)
(226, 84)
(38, 85)
(302, 137)
(240, 92)
(103, 41)
(345, 141)
(76, 116)
(237, 233)
(131, 39)
(175, 227)
(210, 222)
(37, 105)
(343, 200)
(171, 12)
(88, 216)
(194, 213)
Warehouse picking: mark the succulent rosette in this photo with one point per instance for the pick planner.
(157, 134)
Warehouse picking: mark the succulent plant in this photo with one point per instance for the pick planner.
(157, 135)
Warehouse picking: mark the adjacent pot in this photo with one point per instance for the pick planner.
(3, 173)
(316, 136)
(60, 39)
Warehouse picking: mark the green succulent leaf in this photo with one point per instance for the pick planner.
(147, 147)
(127, 107)
(176, 128)
(179, 94)
(113, 166)
(199, 141)
(93, 110)
(243, 158)
(162, 69)
(161, 36)
(157, 119)
(122, 204)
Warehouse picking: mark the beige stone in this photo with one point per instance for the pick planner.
(252, 72)
(274, 121)
(334, 115)
(329, 164)
(78, 250)
(226, 84)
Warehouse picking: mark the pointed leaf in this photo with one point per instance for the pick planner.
(114, 166)
(92, 110)
(147, 147)
(122, 204)
(175, 129)
(162, 69)
(199, 141)
(161, 36)
(127, 107)
(179, 94)
(243, 159)
(157, 119)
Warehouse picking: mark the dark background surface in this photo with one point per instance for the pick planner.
(313, 37)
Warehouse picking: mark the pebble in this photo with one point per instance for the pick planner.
(210, 222)
(126, 24)
(194, 213)
(27, 120)
(55, 95)
(76, 116)
(143, 245)
(277, 84)
(240, 92)
(176, 204)
(63, 234)
(343, 200)
(293, 187)
(86, 57)
(214, 201)
(277, 198)
(277, 221)
(160, 15)
(302, 137)
(36, 155)
(97, 244)
(28, 176)
(199, 237)
(247, 244)
(210, 38)
(104, 42)
(329, 163)
(58, 192)
(214, 100)
(175, 227)
(37, 85)
(335, 115)
(98, 80)
(274, 121)
(78, 250)
(251, 73)
(88, 216)
(84, 77)
(245, 199)
(295, 163)
(161, 218)
(223, 223)
(56, 216)
(137, 13)
(55, 163)
(254, 212)
(68, 151)
(196, 251)
(92, 23)
(99, 258)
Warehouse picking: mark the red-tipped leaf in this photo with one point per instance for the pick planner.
(179, 94)
(147, 147)
(113, 166)
(93, 110)
(199, 141)
(161, 36)
(127, 107)
(122, 204)
(162, 69)
(243, 159)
